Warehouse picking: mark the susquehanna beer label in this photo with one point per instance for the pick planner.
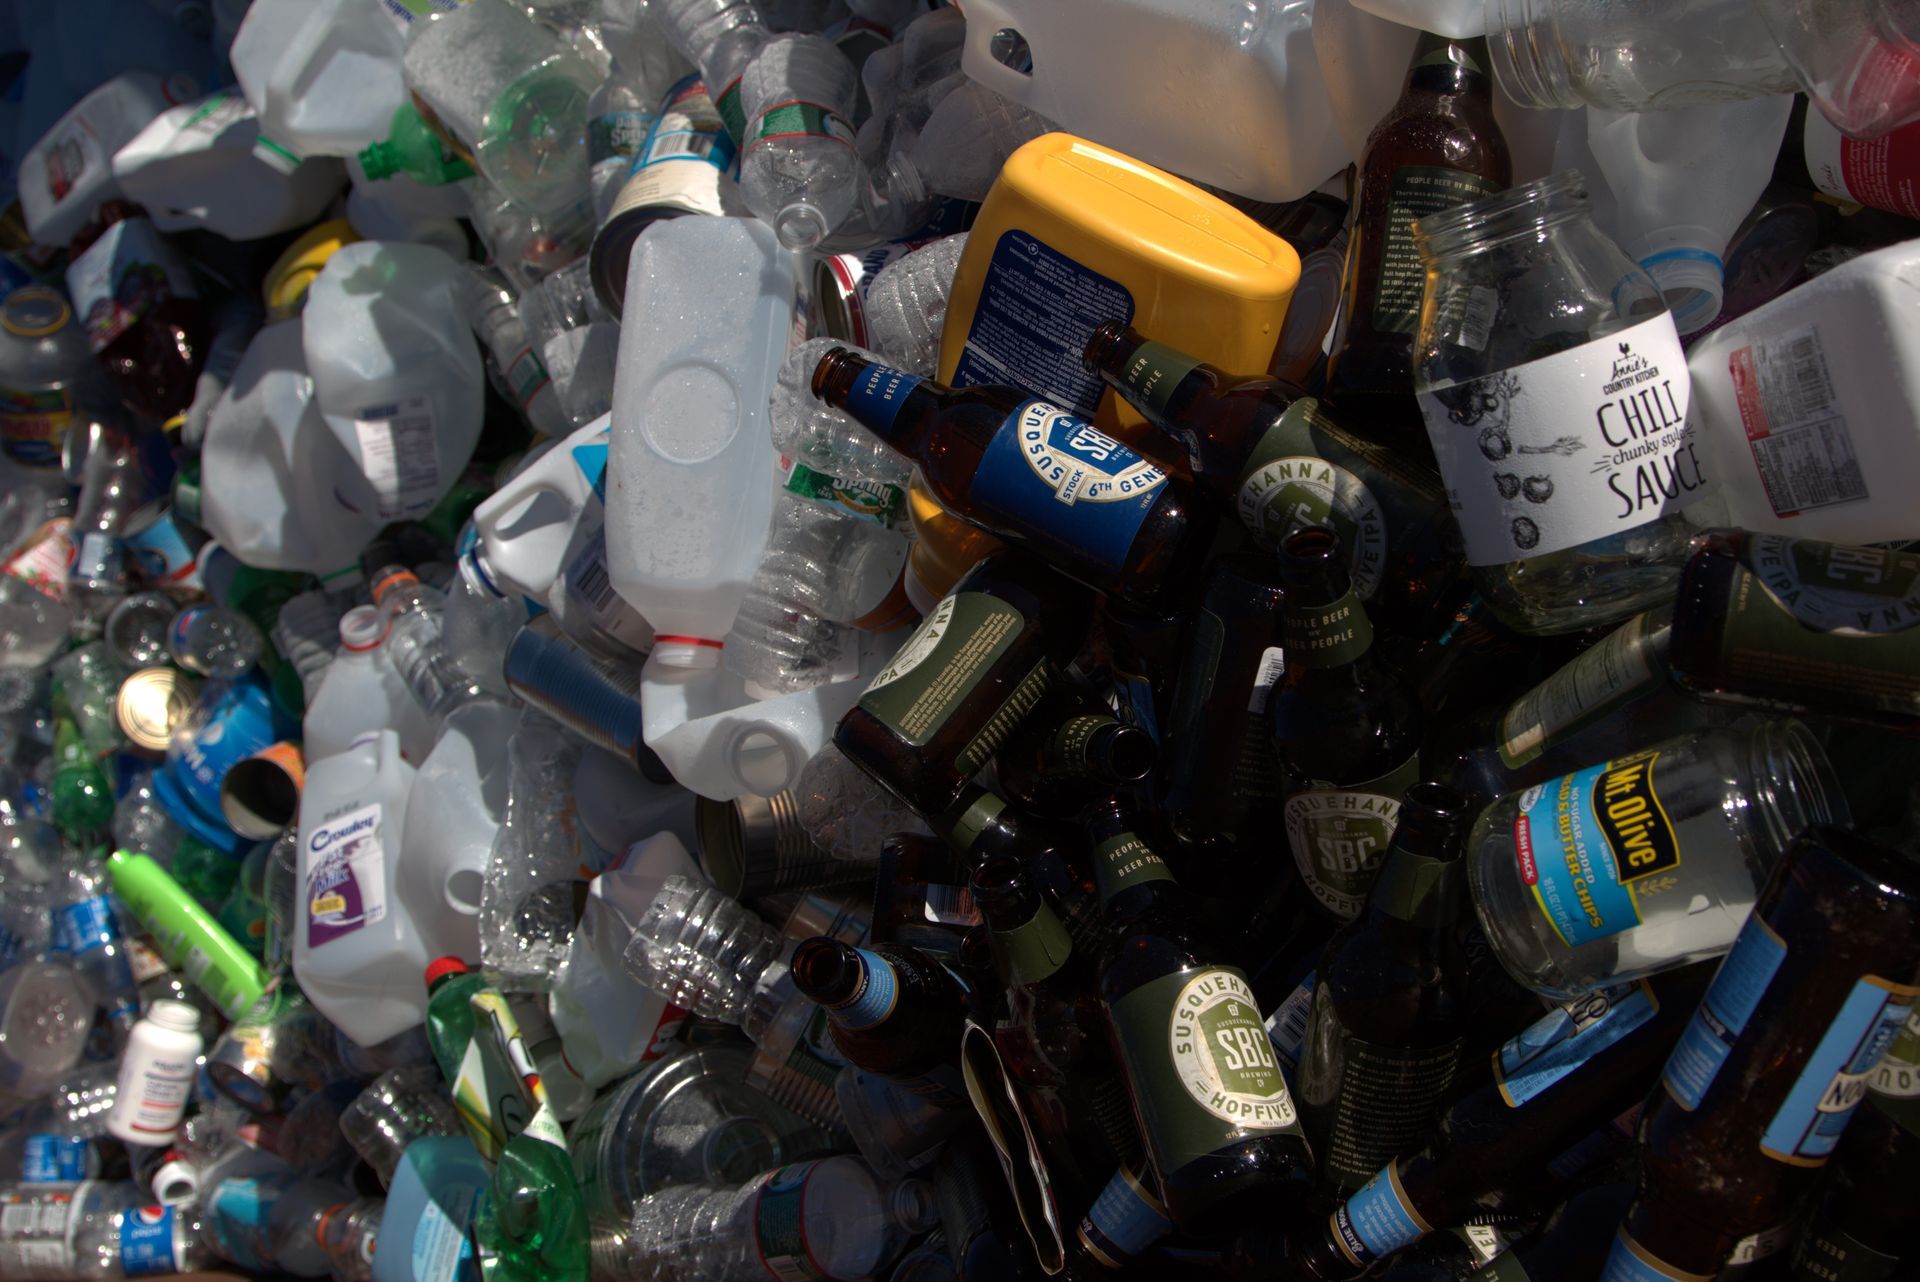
(938, 668)
(1591, 844)
(1201, 1067)
(1284, 486)
(1339, 832)
(1577, 446)
(1068, 484)
(1812, 617)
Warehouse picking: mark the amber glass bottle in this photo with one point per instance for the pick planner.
(1438, 147)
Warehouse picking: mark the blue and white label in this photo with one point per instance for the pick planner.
(1631, 1262)
(1287, 1026)
(55, 1159)
(877, 395)
(1379, 1219)
(1809, 1123)
(1066, 482)
(1587, 842)
(591, 459)
(1037, 308)
(81, 927)
(1564, 1039)
(146, 1242)
(1738, 986)
(1124, 1220)
(879, 994)
(441, 1248)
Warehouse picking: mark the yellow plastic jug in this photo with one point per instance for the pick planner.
(1074, 234)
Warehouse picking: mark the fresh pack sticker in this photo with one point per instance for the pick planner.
(347, 878)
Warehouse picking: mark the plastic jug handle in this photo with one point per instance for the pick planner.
(985, 20)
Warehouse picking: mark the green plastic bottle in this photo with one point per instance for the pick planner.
(82, 799)
(414, 149)
(188, 937)
(488, 1092)
(204, 872)
(533, 1225)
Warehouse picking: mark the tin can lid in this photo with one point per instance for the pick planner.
(152, 702)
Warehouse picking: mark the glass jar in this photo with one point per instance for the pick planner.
(1555, 394)
(1645, 862)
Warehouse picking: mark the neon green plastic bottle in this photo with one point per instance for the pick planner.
(188, 937)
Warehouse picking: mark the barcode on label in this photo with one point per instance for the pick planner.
(1791, 413)
(399, 456)
(1287, 1027)
(1273, 666)
(951, 906)
(591, 578)
(1477, 311)
(672, 146)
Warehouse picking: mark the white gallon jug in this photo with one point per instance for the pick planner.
(458, 800)
(396, 373)
(709, 316)
(359, 957)
(526, 525)
(64, 176)
(323, 74)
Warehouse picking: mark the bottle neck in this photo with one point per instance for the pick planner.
(981, 826)
(1032, 951)
(1125, 869)
(1336, 634)
(895, 406)
(1443, 65)
(874, 998)
(1415, 889)
(1163, 383)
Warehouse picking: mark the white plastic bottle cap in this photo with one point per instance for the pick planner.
(362, 628)
(687, 652)
(172, 1013)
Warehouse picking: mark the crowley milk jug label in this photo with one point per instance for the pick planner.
(1201, 1065)
(1339, 834)
(347, 877)
(1586, 443)
(1068, 483)
(1593, 844)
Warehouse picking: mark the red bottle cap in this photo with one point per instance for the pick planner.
(442, 967)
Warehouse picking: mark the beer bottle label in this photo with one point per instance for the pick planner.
(1124, 1220)
(1385, 1096)
(1805, 619)
(1285, 484)
(1035, 949)
(1197, 1060)
(1737, 988)
(1123, 862)
(1327, 636)
(1339, 834)
(1809, 1123)
(1597, 846)
(1066, 484)
(877, 395)
(1834, 1255)
(1895, 1080)
(1287, 1026)
(1595, 685)
(1153, 373)
(1574, 447)
(1416, 191)
(1378, 1219)
(877, 996)
(1565, 1038)
(1631, 1262)
(939, 668)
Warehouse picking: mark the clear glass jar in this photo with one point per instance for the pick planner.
(1555, 394)
(1646, 862)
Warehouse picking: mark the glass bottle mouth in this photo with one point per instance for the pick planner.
(1794, 786)
(1518, 212)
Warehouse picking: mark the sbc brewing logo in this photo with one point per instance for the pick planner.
(1222, 1053)
(1079, 462)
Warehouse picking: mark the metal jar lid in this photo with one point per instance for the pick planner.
(151, 703)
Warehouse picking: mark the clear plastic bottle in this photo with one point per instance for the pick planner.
(86, 930)
(478, 622)
(399, 1107)
(496, 321)
(46, 1008)
(825, 571)
(808, 430)
(832, 1217)
(34, 619)
(578, 339)
(966, 139)
(110, 489)
(720, 37)
(213, 641)
(96, 1230)
(619, 115)
(526, 904)
(347, 1233)
(136, 630)
(414, 611)
(797, 165)
(906, 305)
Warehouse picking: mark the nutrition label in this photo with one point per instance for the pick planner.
(1791, 412)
